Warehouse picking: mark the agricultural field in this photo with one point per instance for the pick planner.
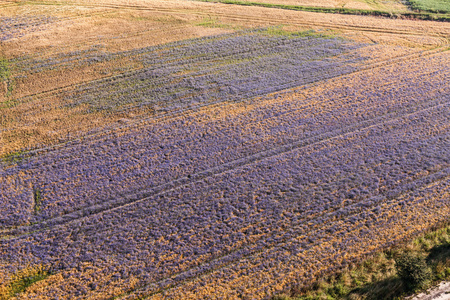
(157, 149)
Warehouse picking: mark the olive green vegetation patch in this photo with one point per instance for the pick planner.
(13, 157)
(281, 31)
(435, 6)
(215, 23)
(22, 280)
(5, 72)
(5, 75)
(37, 200)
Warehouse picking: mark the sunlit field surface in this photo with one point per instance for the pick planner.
(191, 150)
(393, 6)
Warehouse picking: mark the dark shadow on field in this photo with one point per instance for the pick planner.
(439, 254)
(387, 289)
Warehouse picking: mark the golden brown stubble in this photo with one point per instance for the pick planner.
(117, 29)
(42, 123)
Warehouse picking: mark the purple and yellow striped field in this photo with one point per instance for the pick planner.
(228, 166)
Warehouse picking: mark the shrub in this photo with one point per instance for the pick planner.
(412, 270)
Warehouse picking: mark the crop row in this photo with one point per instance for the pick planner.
(335, 191)
(317, 250)
(146, 160)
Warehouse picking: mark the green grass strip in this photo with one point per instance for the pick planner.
(37, 201)
(5, 75)
(13, 157)
(378, 277)
(342, 10)
(433, 6)
(5, 72)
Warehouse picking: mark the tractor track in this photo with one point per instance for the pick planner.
(144, 195)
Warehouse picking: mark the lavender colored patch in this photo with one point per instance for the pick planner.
(16, 27)
(226, 68)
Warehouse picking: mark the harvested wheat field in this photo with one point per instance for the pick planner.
(197, 150)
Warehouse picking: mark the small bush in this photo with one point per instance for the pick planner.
(413, 270)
